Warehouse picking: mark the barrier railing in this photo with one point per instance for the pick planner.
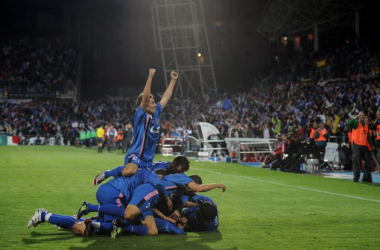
(259, 145)
(338, 139)
(171, 145)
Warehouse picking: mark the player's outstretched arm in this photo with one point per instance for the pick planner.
(205, 187)
(146, 92)
(169, 91)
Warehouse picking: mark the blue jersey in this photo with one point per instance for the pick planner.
(146, 196)
(126, 185)
(179, 179)
(191, 214)
(160, 165)
(146, 132)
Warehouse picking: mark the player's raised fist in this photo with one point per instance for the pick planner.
(152, 72)
(174, 75)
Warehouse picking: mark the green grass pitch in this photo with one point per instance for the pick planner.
(261, 209)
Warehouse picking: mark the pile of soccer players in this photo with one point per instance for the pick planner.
(143, 198)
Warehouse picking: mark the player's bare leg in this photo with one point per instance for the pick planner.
(151, 225)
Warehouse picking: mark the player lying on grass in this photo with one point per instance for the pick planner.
(63, 221)
(118, 191)
(145, 197)
(199, 212)
(180, 164)
(86, 227)
(203, 217)
(146, 126)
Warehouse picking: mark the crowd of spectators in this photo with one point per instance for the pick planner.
(27, 65)
(285, 107)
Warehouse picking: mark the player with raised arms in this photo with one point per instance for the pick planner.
(146, 126)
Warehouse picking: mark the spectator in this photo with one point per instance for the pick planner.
(111, 142)
(238, 131)
(127, 137)
(248, 131)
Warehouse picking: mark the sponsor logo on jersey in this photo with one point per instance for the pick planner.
(154, 129)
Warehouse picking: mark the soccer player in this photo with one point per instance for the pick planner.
(146, 196)
(41, 215)
(88, 226)
(180, 164)
(146, 126)
(163, 226)
(200, 212)
(118, 191)
(203, 217)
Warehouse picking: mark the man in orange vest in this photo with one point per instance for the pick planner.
(377, 134)
(321, 137)
(312, 133)
(360, 142)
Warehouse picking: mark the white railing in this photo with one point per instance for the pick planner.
(259, 145)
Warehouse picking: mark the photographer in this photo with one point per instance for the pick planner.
(291, 152)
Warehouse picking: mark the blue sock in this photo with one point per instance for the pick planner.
(93, 208)
(43, 214)
(63, 221)
(136, 229)
(164, 226)
(112, 210)
(117, 172)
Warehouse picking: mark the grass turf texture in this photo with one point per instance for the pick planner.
(261, 209)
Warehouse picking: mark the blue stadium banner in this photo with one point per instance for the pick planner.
(3, 140)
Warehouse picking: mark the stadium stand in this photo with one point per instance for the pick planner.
(36, 67)
(345, 81)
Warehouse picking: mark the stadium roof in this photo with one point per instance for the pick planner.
(298, 17)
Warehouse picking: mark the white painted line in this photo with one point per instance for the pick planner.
(289, 186)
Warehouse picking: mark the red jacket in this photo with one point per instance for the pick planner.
(280, 148)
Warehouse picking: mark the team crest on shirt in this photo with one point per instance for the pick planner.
(155, 129)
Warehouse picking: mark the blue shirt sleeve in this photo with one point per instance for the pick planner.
(179, 179)
(138, 116)
(159, 110)
(160, 165)
(197, 198)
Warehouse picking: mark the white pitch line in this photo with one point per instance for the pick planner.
(290, 186)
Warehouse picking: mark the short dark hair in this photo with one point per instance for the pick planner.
(208, 211)
(139, 99)
(197, 179)
(182, 161)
